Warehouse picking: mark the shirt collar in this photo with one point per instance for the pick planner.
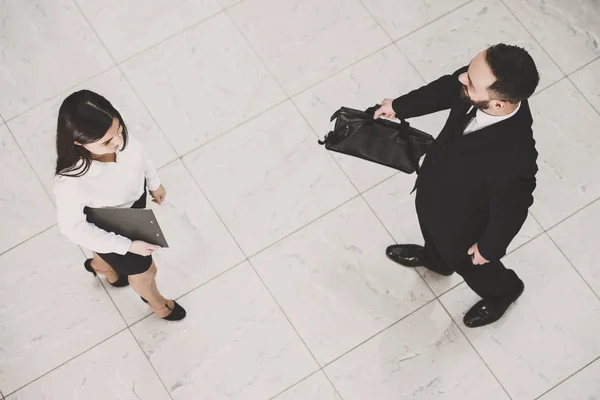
(484, 119)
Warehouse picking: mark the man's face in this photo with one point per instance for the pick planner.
(476, 81)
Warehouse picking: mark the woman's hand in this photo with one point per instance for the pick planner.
(142, 248)
(158, 195)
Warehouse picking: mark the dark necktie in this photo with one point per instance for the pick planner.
(465, 121)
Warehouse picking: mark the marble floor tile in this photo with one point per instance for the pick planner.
(569, 153)
(587, 80)
(52, 309)
(115, 369)
(127, 28)
(395, 207)
(315, 387)
(541, 340)
(200, 247)
(399, 18)
(229, 3)
(234, 343)
(452, 41)
(35, 130)
(349, 289)
(303, 42)
(44, 48)
(24, 205)
(269, 177)
(578, 237)
(194, 87)
(424, 356)
(583, 385)
(569, 30)
(387, 73)
(241, 90)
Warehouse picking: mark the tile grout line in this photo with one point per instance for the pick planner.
(393, 42)
(69, 360)
(285, 315)
(566, 75)
(51, 97)
(295, 384)
(433, 21)
(37, 177)
(579, 210)
(28, 239)
(567, 378)
(533, 37)
(583, 95)
(149, 362)
(572, 265)
(368, 339)
(193, 289)
(474, 349)
(162, 41)
(378, 333)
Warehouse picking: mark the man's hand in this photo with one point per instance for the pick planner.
(476, 256)
(385, 110)
(158, 195)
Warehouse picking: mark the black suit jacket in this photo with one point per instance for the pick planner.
(473, 188)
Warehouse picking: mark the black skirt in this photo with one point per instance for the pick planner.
(129, 263)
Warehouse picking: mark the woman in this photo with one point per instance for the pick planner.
(99, 165)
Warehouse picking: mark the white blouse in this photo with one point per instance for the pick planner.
(117, 184)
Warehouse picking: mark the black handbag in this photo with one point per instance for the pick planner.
(396, 145)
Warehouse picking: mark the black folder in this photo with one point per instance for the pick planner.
(133, 223)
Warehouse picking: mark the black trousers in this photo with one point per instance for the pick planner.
(493, 282)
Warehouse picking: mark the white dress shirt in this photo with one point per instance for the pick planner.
(106, 184)
(482, 120)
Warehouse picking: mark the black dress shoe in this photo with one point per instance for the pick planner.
(409, 255)
(412, 255)
(484, 312)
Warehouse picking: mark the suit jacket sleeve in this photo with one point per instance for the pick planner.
(511, 194)
(436, 96)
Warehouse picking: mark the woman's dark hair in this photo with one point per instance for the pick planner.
(84, 117)
(515, 72)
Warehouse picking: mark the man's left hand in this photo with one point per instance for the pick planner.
(476, 256)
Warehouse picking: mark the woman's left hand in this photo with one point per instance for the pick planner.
(158, 195)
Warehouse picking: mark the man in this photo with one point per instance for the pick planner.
(476, 182)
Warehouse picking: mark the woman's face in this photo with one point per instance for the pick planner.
(110, 143)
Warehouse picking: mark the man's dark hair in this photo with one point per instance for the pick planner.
(515, 72)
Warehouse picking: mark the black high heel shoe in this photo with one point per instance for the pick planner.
(177, 312)
(121, 282)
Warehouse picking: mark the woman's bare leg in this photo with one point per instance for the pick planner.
(144, 284)
(103, 268)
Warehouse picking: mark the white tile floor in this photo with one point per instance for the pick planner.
(277, 245)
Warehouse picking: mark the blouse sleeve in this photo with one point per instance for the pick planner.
(153, 181)
(72, 221)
